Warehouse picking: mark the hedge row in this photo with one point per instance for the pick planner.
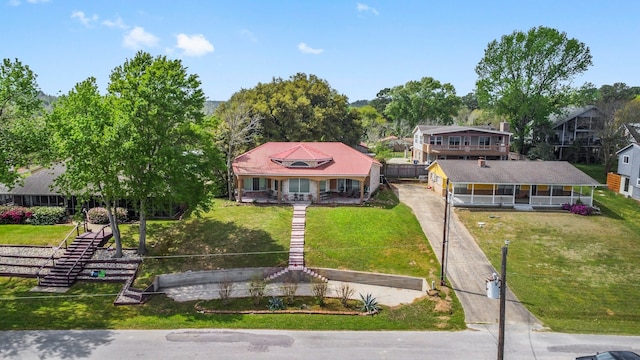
(37, 215)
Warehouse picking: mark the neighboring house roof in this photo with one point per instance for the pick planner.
(633, 131)
(627, 147)
(568, 114)
(332, 159)
(445, 129)
(38, 183)
(514, 172)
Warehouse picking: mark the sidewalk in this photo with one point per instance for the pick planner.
(467, 266)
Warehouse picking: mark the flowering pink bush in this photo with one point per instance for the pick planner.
(579, 209)
(14, 215)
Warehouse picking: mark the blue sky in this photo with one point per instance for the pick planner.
(359, 47)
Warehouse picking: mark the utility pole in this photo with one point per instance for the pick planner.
(444, 234)
(503, 298)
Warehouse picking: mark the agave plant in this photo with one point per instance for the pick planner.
(369, 304)
(275, 303)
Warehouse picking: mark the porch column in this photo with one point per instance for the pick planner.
(473, 190)
(318, 190)
(493, 195)
(591, 200)
(279, 190)
(571, 201)
(530, 193)
(361, 191)
(239, 187)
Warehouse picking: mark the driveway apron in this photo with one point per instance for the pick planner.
(467, 266)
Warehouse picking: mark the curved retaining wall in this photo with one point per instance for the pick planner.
(248, 274)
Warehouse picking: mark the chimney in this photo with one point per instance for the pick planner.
(504, 126)
(481, 162)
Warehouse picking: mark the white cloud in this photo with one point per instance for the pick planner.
(249, 35)
(309, 50)
(14, 2)
(86, 21)
(364, 8)
(194, 45)
(137, 38)
(117, 23)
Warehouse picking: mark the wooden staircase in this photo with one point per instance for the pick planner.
(66, 269)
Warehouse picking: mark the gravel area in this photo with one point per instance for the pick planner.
(32, 265)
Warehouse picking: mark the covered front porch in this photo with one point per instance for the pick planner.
(290, 190)
(539, 195)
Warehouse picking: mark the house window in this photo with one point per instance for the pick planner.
(625, 185)
(454, 141)
(322, 185)
(254, 184)
(299, 164)
(348, 184)
(298, 185)
(467, 140)
(435, 140)
(625, 159)
(505, 190)
(638, 182)
(484, 140)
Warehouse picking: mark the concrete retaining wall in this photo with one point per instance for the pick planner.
(212, 276)
(397, 281)
(248, 274)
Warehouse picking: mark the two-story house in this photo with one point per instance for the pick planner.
(575, 133)
(435, 142)
(627, 180)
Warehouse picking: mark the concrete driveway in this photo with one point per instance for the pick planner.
(467, 266)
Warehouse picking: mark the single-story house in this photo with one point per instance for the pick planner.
(511, 183)
(305, 171)
(39, 189)
(627, 180)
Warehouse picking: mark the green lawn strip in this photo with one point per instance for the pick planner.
(596, 171)
(90, 306)
(45, 235)
(576, 273)
(368, 239)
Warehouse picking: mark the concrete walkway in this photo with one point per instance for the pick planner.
(467, 266)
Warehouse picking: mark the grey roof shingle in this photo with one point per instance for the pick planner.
(38, 183)
(514, 172)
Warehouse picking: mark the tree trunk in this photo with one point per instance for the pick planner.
(142, 248)
(113, 222)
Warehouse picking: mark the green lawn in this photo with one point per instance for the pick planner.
(385, 237)
(34, 235)
(576, 273)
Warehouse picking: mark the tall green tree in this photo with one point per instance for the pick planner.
(613, 104)
(426, 102)
(373, 123)
(84, 137)
(21, 122)
(526, 76)
(303, 108)
(169, 155)
(237, 127)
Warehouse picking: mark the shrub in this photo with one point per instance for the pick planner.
(14, 214)
(345, 292)
(98, 215)
(578, 208)
(47, 215)
(225, 289)
(257, 289)
(319, 289)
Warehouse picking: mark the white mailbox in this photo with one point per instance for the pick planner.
(493, 286)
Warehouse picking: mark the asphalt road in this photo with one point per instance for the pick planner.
(478, 343)
(467, 266)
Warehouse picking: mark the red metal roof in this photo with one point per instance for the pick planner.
(342, 160)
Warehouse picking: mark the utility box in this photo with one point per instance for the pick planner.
(493, 286)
